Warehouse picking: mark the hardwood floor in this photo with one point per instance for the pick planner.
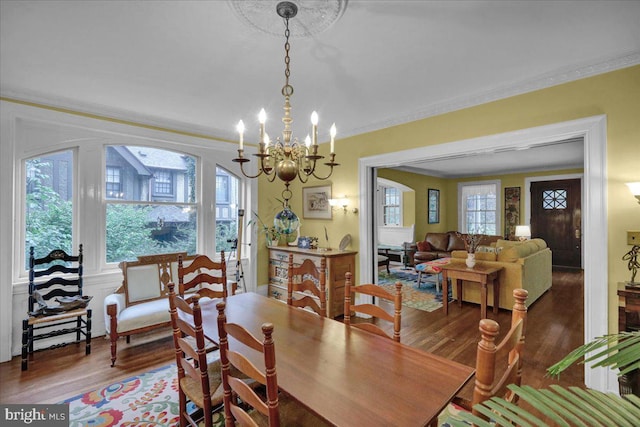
(554, 327)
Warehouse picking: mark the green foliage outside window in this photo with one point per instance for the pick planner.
(48, 221)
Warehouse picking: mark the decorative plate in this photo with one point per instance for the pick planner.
(346, 240)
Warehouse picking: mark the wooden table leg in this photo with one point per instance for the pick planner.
(483, 298)
(445, 292)
(459, 291)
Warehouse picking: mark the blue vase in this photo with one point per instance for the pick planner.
(286, 221)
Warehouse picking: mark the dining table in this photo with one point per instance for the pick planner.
(347, 376)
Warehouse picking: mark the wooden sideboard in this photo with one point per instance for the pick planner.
(628, 307)
(338, 263)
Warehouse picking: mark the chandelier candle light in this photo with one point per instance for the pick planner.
(287, 159)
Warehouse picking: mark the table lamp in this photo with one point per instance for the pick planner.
(523, 232)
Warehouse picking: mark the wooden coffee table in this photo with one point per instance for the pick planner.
(479, 274)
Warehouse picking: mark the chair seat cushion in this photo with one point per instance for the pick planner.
(292, 414)
(192, 388)
(142, 315)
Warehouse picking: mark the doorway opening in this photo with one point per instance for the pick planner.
(594, 215)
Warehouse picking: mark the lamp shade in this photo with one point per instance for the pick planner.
(635, 189)
(523, 231)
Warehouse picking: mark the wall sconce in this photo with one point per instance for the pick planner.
(635, 189)
(523, 232)
(342, 202)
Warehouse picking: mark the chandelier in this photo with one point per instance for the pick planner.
(287, 159)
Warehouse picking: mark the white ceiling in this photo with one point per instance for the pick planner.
(196, 66)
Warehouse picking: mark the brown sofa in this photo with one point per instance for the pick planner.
(441, 245)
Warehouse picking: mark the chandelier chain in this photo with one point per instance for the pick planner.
(287, 89)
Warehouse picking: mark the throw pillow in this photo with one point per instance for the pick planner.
(489, 249)
(423, 246)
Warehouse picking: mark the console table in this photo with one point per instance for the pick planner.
(480, 274)
(338, 263)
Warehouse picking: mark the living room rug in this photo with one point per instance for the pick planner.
(149, 399)
(423, 298)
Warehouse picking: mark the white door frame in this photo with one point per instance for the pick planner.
(594, 131)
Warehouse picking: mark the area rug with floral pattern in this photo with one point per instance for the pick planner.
(149, 399)
(424, 297)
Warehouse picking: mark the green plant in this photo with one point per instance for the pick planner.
(573, 405)
(271, 233)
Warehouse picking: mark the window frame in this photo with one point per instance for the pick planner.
(462, 205)
(382, 206)
(168, 183)
(155, 200)
(33, 130)
(119, 193)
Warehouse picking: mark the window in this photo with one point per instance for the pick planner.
(65, 164)
(391, 205)
(478, 207)
(137, 223)
(114, 183)
(554, 199)
(222, 187)
(163, 184)
(49, 203)
(227, 196)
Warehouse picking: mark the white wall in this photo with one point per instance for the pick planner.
(28, 131)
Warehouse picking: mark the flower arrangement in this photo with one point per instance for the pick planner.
(271, 233)
(471, 241)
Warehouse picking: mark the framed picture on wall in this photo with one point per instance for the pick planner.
(433, 206)
(315, 202)
(511, 211)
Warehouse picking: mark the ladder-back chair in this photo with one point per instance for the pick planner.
(303, 279)
(62, 280)
(200, 273)
(492, 380)
(276, 409)
(199, 380)
(373, 310)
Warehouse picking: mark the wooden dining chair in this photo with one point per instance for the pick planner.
(492, 379)
(375, 311)
(274, 409)
(56, 279)
(200, 274)
(303, 279)
(199, 380)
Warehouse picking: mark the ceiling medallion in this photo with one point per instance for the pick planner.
(315, 16)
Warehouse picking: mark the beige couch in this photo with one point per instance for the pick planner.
(525, 265)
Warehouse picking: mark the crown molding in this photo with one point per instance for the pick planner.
(104, 112)
(557, 77)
